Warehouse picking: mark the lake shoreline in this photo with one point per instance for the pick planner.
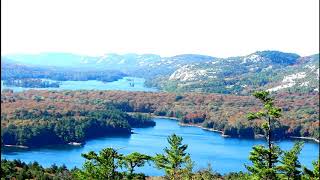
(305, 138)
(204, 146)
(16, 146)
(121, 84)
(258, 136)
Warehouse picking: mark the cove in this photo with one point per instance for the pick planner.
(224, 154)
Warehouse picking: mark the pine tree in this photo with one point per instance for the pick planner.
(290, 166)
(175, 158)
(133, 160)
(269, 114)
(312, 174)
(100, 166)
(260, 159)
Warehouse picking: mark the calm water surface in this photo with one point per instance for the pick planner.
(224, 154)
(122, 84)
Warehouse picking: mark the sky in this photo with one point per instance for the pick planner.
(220, 28)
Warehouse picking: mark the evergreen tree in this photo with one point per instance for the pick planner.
(7, 169)
(269, 113)
(175, 158)
(260, 160)
(133, 160)
(290, 166)
(312, 174)
(100, 166)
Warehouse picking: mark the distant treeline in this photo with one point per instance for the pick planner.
(10, 71)
(31, 83)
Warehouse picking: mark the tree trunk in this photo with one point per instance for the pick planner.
(269, 143)
(113, 167)
(131, 168)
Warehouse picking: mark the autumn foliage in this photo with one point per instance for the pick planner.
(222, 112)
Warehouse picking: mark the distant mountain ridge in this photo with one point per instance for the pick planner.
(112, 60)
(272, 70)
(265, 70)
(12, 70)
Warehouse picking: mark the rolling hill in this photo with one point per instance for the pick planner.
(268, 70)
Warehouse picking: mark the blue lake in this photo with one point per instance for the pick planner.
(121, 84)
(224, 154)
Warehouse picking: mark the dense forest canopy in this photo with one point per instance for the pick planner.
(226, 113)
(38, 127)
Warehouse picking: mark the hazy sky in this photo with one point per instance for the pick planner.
(167, 27)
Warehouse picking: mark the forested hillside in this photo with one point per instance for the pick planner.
(47, 121)
(226, 113)
(262, 70)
